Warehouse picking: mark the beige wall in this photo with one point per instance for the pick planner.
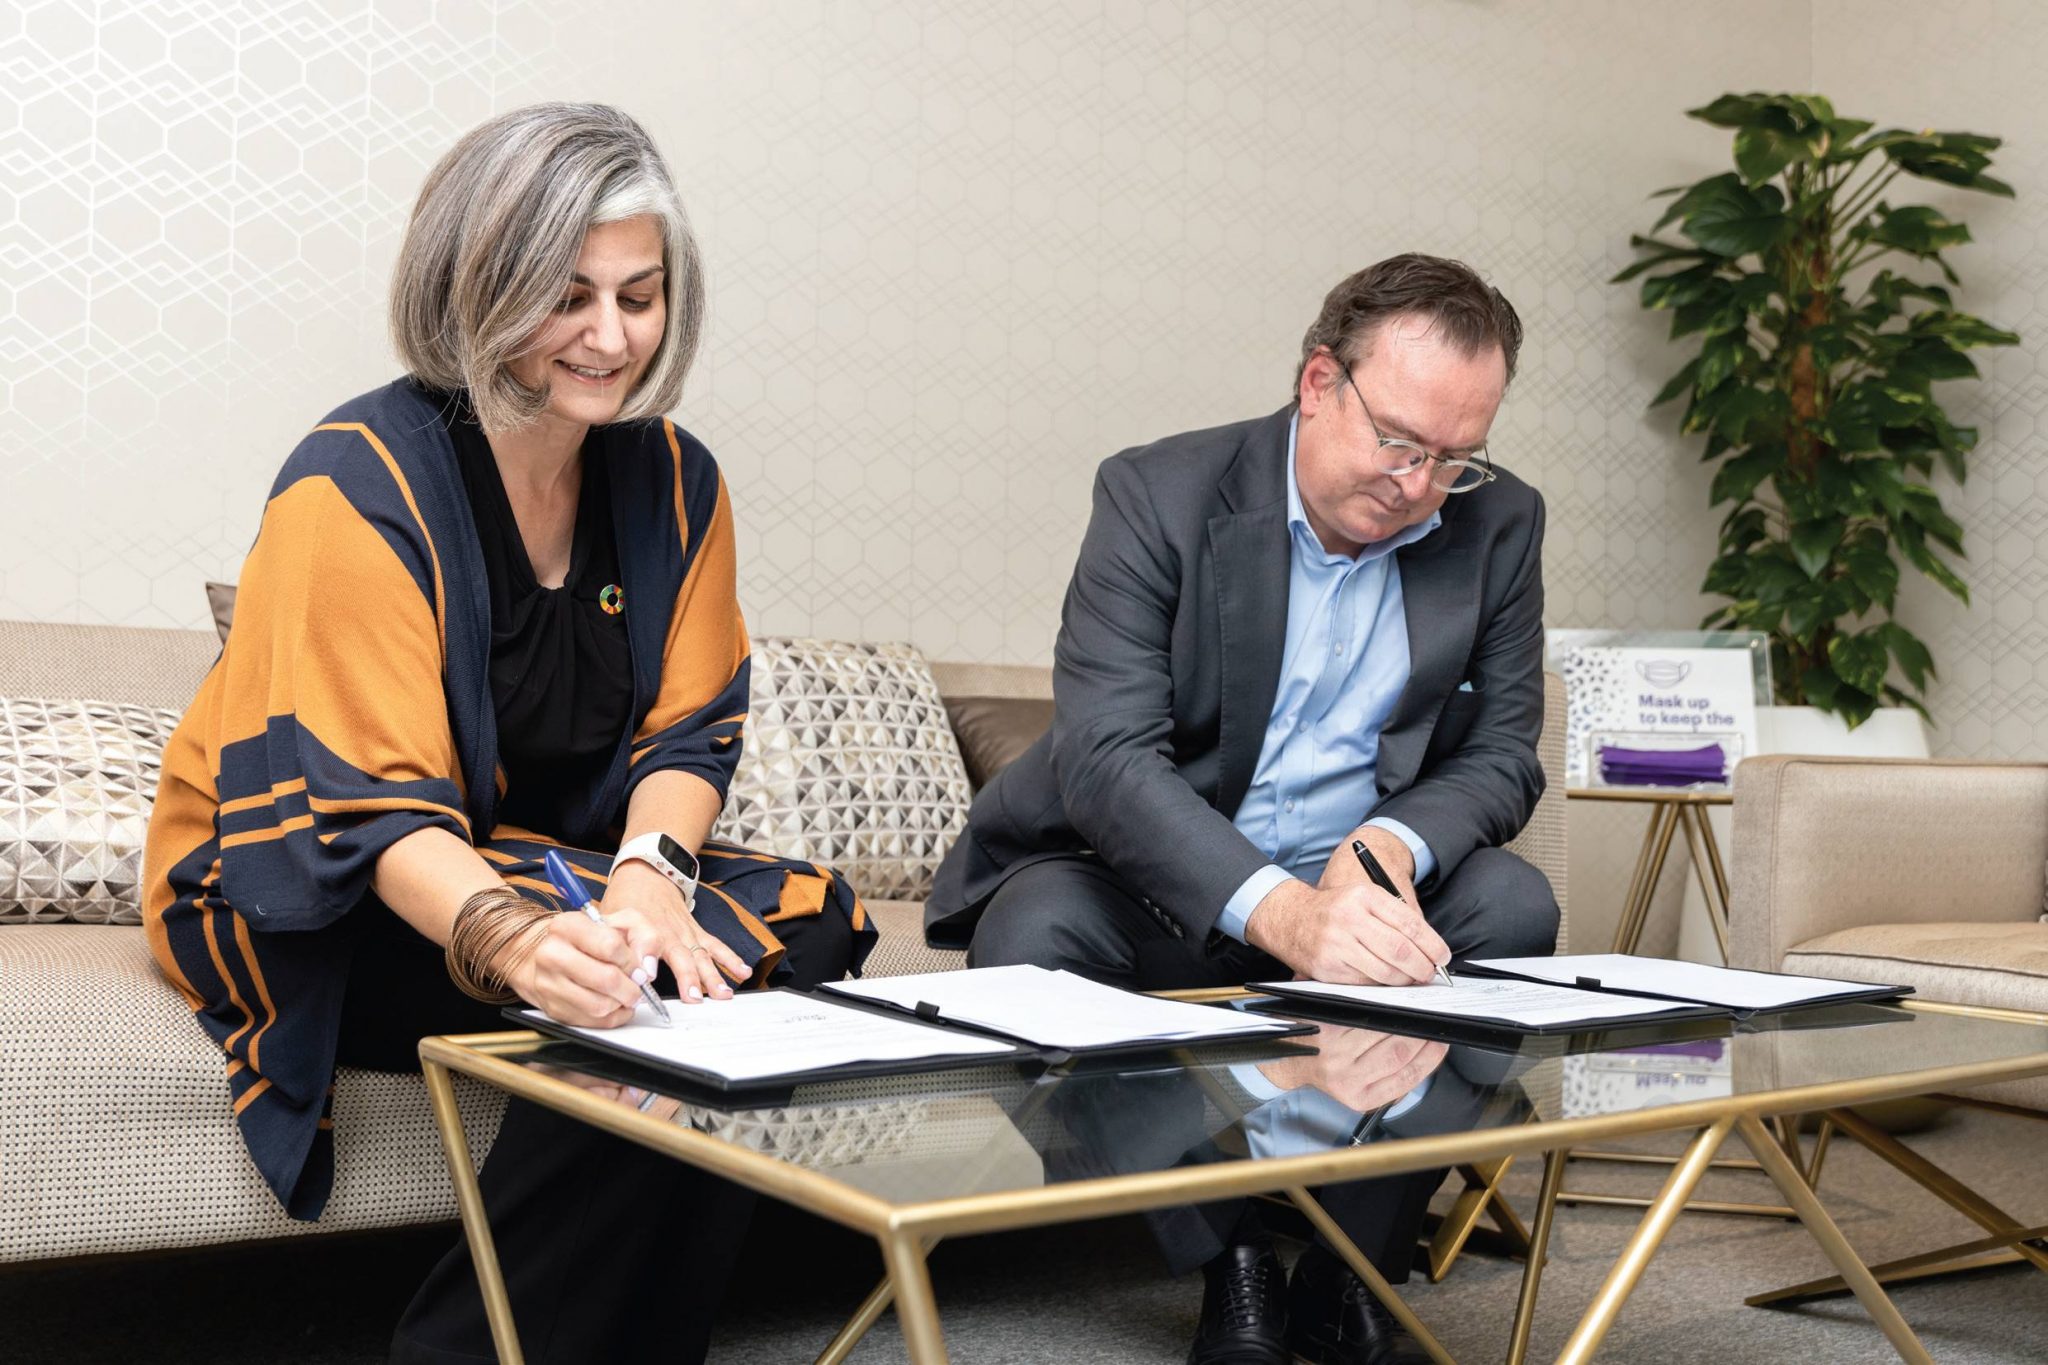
(1976, 65)
(959, 253)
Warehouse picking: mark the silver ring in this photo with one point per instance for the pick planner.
(700, 948)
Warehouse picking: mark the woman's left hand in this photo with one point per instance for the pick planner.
(651, 910)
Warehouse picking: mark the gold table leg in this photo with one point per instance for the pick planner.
(1978, 1255)
(1820, 1149)
(1539, 1252)
(1634, 1201)
(1480, 1197)
(1366, 1271)
(1939, 1183)
(916, 1310)
(1785, 1173)
(470, 1200)
(863, 1320)
(1649, 1235)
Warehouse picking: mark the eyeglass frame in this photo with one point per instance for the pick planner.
(1477, 456)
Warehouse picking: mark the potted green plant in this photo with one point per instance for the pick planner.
(1820, 335)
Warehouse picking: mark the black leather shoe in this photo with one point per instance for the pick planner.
(1333, 1319)
(1244, 1309)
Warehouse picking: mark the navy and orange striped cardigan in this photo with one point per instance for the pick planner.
(352, 706)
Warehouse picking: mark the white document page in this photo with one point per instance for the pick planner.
(757, 1035)
(1489, 999)
(1055, 1009)
(1723, 986)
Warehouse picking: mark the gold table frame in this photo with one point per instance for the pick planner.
(907, 1231)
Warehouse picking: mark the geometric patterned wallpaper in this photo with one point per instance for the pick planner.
(959, 252)
(1992, 699)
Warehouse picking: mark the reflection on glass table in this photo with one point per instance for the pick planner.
(914, 1158)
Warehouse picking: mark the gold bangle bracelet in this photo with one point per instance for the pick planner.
(494, 933)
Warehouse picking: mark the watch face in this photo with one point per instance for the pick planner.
(680, 858)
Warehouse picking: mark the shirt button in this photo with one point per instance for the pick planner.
(1290, 807)
(1339, 648)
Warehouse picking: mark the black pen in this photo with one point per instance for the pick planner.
(1385, 883)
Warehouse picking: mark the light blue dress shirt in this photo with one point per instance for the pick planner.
(1343, 668)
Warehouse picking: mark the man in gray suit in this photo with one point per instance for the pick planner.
(1284, 635)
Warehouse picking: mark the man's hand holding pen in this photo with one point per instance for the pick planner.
(1347, 935)
(1347, 930)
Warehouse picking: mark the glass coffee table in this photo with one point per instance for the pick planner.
(912, 1159)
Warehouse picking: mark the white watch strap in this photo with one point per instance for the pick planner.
(646, 848)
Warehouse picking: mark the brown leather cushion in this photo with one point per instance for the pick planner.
(221, 597)
(993, 730)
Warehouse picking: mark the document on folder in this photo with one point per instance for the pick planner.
(1693, 982)
(1486, 1000)
(759, 1035)
(1054, 1009)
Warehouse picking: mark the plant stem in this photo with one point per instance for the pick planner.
(1864, 197)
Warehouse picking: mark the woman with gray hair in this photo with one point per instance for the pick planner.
(490, 614)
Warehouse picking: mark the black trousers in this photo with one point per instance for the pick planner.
(609, 1251)
(1076, 913)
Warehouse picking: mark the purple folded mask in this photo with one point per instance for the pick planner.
(1621, 767)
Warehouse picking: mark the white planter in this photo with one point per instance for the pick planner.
(1891, 732)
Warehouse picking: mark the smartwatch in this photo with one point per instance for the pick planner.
(665, 856)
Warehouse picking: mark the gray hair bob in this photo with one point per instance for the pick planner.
(494, 239)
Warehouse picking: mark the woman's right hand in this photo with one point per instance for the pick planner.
(584, 973)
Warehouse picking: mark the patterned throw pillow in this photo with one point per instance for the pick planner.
(77, 779)
(850, 762)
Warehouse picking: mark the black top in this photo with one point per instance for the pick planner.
(561, 665)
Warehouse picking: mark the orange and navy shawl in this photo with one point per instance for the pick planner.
(352, 706)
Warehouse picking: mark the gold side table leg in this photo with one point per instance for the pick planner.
(1366, 1271)
(1642, 886)
(1667, 826)
(1649, 1235)
(916, 1310)
(1697, 837)
(1714, 861)
(470, 1200)
(1539, 1252)
(1800, 1196)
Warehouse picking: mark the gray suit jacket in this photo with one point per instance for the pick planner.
(1168, 660)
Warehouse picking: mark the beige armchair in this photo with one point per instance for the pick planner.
(1924, 873)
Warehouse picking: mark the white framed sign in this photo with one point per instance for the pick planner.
(1660, 709)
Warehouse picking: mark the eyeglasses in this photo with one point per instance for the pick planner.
(1399, 458)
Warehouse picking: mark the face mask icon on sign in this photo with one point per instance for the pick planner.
(1663, 672)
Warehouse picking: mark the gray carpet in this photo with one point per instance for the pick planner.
(1092, 1294)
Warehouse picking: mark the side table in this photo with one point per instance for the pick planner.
(1670, 811)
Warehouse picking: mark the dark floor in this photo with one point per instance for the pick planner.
(333, 1300)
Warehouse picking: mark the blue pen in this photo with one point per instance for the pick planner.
(572, 890)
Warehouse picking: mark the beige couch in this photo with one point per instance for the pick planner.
(115, 1134)
(1924, 873)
